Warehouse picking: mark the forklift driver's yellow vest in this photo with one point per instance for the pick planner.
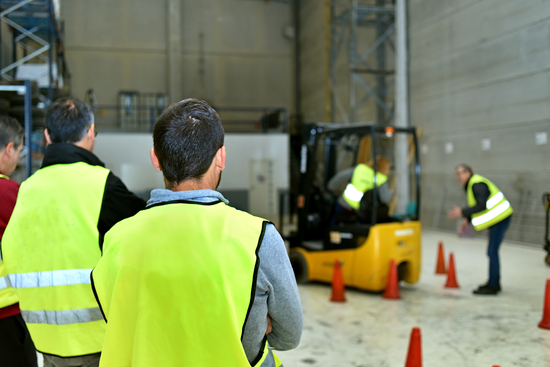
(7, 294)
(176, 283)
(498, 208)
(50, 247)
(361, 182)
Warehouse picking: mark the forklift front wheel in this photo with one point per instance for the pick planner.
(299, 265)
(547, 260)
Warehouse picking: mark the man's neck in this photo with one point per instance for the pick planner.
(191, 185)
(84, 144)
(2, 167)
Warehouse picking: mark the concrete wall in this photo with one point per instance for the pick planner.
(314, 60)
(228, 52)
(479, 70)
(127, 155)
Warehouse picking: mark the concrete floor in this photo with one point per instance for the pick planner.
(458, 329)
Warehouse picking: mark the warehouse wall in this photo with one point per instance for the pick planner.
(230, 52)
(314, 57)
(314, 60)
(479, 83)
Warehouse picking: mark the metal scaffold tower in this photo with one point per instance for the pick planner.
(37, 44)
(367, 29)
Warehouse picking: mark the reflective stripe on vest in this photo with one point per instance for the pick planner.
(4, 282)
(363, 180)
(485, 218)
(52, 278)
(49, 259)
(353, 194)
(497, 207)
(65, 317)
(204, 261)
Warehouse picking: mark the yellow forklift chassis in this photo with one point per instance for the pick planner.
(366, 267)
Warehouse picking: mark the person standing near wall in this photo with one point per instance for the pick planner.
(55, 234)
(487, 208)
(16, 346)
(191, 281)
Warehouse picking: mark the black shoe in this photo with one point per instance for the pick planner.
(487, 289)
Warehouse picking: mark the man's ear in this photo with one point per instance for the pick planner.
(47, 136)
(155, 160)
(220, 157)
(9, 150)
(91, 132)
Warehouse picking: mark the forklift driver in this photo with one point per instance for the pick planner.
(356, 201)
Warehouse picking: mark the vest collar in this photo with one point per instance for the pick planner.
(467, 182)
(164, 196)
(66, 153)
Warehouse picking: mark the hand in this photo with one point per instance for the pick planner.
(454, 213)
(463, 226)
(269, 326)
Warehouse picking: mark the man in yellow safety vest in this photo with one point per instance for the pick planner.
(54, 236)
(16, 346)
(191, 281)
(360, 180)
(487, 208)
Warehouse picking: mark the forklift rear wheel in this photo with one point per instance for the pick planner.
(547, 260)
(299, 265)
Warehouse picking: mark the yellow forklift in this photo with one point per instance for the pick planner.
(365, 247)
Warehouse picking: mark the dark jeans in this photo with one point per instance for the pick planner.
(496, 235)
(16, 346)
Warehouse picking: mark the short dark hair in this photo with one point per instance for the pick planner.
(466, 168)
(68, 120)
(10, 131)
(186, 138)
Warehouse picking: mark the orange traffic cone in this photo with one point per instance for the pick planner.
(414, 356)
(545, 322)
(392, 287)
(338, 286)
(440, 268)
(451, 276)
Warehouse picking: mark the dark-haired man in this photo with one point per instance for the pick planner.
(191, 281)
(487, 208)
(16, 346)
(54, 238)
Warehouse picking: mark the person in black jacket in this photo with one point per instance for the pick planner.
(487, 208)
(49, 201)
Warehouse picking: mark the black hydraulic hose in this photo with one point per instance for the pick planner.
(546, 203)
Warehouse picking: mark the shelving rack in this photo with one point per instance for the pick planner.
(367, 56)
(38, 32)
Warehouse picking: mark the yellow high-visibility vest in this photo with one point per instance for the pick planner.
(498, 208)
(361, 182)
(8, 296)
(50, 246)
(176, 283)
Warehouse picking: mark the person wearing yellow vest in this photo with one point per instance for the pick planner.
(16, 346)
(53, 239)
(359, 180)
(191, 281)
(487, 208)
